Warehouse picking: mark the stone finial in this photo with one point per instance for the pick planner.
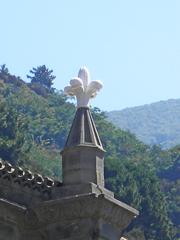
(82, 88)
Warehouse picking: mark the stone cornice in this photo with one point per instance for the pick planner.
(86, 206)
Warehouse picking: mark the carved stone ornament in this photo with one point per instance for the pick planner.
(83, 88)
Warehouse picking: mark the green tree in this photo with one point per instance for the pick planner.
(12, 129)
(4, 70)
(43, 76)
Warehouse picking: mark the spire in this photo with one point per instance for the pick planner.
(83, 154)
(83, 131)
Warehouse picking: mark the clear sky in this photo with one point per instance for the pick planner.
(133, 46)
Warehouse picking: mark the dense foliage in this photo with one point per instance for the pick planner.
(41, 80)
(33, 130)
(156, 123)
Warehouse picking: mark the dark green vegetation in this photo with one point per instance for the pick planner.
(34, 123)
(41, 80)
(157, 123)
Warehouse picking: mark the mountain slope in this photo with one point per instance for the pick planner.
(133, 170)
(156, 123)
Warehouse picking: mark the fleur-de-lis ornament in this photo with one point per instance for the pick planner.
(83, 88)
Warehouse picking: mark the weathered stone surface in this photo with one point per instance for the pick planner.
(77, 189)
(83, 164)
(85, 216)
(83, 154)
(83, 131)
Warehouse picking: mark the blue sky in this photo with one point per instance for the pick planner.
(133, 46)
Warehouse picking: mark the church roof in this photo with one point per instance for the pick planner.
(24, 187)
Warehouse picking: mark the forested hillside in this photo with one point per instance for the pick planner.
(34, 122)
(156, 123)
